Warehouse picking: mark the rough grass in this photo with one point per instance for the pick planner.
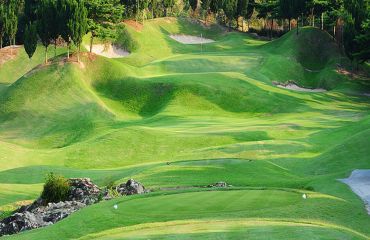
(214, 115)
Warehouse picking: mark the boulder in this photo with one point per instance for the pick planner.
(20, 222)
(83, 190)
(131, 187)
(219, 185)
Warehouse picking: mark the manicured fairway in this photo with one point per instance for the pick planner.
(173, 116)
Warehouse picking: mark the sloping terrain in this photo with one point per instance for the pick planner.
(214, 113)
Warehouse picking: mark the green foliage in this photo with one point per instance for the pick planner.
(77, 24)
(2, 22)
(193, 4)
(11, 20)
(103, 15)
(125, 40)
(56, 188)
(30, 39)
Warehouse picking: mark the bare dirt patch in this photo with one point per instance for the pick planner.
(359, 182)
(188, 39)
(9, 53)
(293, 86)
(108, 50)
(136, 25)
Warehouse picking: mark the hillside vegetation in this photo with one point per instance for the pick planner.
(214, 114)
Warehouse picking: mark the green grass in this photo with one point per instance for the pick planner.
(214, 115)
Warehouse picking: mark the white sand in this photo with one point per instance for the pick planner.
(295, 87)
(188, 39)
(108, 50)
(359, 181)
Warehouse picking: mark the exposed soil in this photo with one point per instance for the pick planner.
(9, 53)
(136, 25)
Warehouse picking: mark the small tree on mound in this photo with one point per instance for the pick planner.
(56, 188)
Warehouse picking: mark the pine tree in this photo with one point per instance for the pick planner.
(44, 28)
(30, 39)
(11, 21)
(2, 22)
(77, 24)
(103, 15)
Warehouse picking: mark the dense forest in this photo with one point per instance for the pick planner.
(49, 21)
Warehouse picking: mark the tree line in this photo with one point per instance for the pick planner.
(49, 20)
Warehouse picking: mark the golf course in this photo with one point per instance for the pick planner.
(276, 120)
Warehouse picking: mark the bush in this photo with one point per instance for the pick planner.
(125, 40)
(56, 188)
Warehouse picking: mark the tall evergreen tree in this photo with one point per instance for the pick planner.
(11, 22)
(193, 4)
(2, 22)
(30, 39)
(102, 17)
(230, 10)
(44, 28)
(287, 10)
(78, 24)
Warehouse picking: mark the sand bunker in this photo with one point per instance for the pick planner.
(188, 39)
(108, 50)
(295, 87)
(359, 181)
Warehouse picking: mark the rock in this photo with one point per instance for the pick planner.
(84, 191)
(219, 185)
(131, 187)
(55, 212)
(20, 222)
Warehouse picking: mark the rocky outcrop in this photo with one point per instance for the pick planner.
(131, 187)
(219, 185)
(82, 192)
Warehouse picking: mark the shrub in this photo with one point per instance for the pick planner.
(125, 40)
(56, 188)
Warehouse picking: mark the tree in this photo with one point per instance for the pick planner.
(286, 8)
(11, 21)
(102, 17)
(230, 10)
(30, 10)
(77, 24)
(193, 4)
(299, 8)
(44, 28)
(169, 4)
(318, 7)
(268, 9)
(241, 11)
(2, 22)
(30, 39)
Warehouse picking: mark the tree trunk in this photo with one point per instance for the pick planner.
(297, 25)
(243, 25)
(248, 24)
(91, 42)
(272, 24)
(1, 42)
(46, 55)
(313, 20)
(322, 21)
(78, 53)
(290, 24)
(55, 48)
(67, 50)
